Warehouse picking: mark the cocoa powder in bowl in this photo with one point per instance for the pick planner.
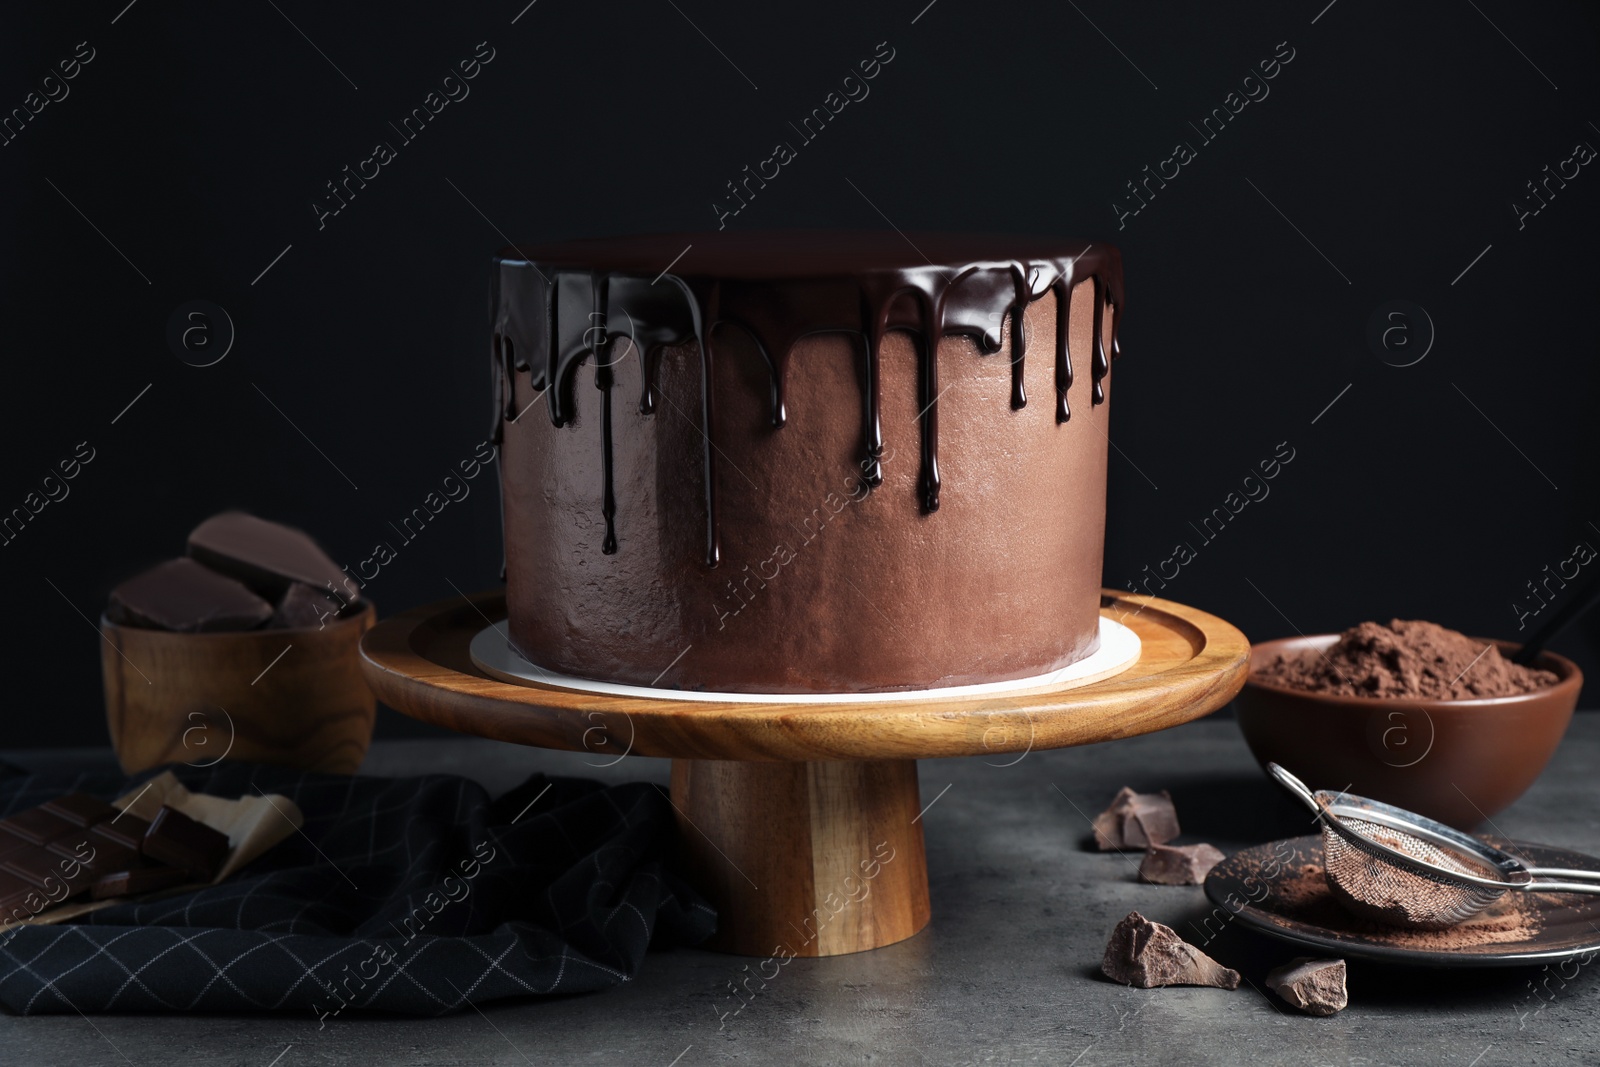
(1405, 659)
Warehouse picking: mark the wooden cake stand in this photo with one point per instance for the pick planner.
(801, 822)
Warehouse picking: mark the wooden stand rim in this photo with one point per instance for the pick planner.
(1191, 664)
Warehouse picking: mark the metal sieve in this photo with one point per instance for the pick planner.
(1398, 868)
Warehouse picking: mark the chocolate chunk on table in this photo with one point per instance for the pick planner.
(1178, 864)
(265, 556)
(177, 840)
(1136, 820)
(1147, 954)
(1312, 985)
(182, 595)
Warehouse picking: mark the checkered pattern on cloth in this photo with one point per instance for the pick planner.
(410, 895)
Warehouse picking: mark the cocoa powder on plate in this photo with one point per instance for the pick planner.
(1303, 896)
(1405, 659)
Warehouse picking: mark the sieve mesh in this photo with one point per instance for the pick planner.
(1372, 885)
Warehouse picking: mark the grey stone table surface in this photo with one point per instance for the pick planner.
(1007, 973)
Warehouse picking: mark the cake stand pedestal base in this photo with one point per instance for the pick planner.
(805, 858)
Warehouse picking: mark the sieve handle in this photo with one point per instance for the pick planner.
(1295, 786)
(1561, 887)
(1567, 880)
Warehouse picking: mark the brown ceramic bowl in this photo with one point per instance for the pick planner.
(287, 696)
(1457, 761)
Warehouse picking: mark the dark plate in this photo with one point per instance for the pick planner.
(1252, 884)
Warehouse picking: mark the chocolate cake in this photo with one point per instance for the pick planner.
(804, 462)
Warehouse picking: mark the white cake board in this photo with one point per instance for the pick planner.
(1119, 649)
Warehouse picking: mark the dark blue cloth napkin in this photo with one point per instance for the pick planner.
(410, 895)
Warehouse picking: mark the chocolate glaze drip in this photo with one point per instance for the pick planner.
(555, 307)
(1063, 293)
(1019, 337)
(871, 408)
(703, 307)
(1100, 365)
(601, 347)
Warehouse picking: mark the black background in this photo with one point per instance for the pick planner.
(1396, 141)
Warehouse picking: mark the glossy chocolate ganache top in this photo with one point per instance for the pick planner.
(555, 306)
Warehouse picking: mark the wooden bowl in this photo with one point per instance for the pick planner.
(294, 696)
(1457, 761)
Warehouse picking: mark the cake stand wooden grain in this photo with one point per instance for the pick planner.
(802, 822)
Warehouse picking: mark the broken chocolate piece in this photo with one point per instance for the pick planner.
(1178, 864)
(1147, 954)
(1136, 820)
(80, 809)
(1312, 985)
(177, 840)
(138, 880)
(264, 555)
(183, 596)
(304, 606)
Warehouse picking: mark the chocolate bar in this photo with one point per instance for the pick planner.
(76, 843)
(39, 876)
(80, 809)
(37, 826)
(10, 843)
(86, 848)
(20, 899)
(125, 830)
(138, 880)
(62, 876)
(179, 841)
(181, 595)
(14, 894)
